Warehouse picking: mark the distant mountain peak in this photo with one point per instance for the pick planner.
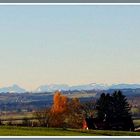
(12, 89)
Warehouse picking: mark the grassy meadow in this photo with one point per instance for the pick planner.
(136, 122)
(42, 131)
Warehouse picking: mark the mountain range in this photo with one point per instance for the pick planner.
(53, 87)
(12, 89)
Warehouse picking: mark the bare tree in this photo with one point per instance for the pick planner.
(43, 117)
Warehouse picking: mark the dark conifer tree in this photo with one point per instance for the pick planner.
(101, 107)
(121, 112)
(114, 111)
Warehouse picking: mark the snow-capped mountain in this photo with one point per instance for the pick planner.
(12, 89)
(92, 86)
(64, 87)
(54, 87)
(51, 88)
(124, 86)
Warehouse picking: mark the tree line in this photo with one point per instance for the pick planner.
(110, 111)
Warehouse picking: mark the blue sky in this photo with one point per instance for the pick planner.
(69, 44)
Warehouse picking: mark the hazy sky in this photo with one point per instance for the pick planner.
(69, 44)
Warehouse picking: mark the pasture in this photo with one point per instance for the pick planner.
(42, 131)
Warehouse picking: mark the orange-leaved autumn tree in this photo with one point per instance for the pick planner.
(63, 113)
(60, 102)
(59, 110)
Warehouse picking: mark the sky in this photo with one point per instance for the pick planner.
(69, 45)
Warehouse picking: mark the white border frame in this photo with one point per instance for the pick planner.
(71, 4)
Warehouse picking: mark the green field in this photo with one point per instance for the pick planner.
(15, 115)
(40, 131)
(136, 122)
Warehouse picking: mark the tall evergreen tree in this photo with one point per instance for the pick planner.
(114, 111)
(101, 106)
(121, 112)
(104, 107)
